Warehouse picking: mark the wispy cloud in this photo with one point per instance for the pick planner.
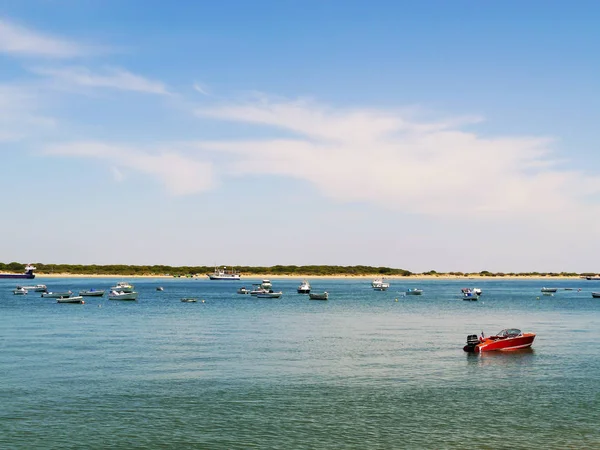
(201, 88)
(181, 175)
(112, 78)
(384, 157)
(18, 40)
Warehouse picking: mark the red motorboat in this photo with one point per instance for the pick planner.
(508, 339)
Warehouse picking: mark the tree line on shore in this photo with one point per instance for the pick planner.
(121, 269)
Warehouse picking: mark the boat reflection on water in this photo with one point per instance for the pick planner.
(523, 356)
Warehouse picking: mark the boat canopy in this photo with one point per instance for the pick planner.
(509, 332)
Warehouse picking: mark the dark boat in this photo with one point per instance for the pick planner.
(27, 275)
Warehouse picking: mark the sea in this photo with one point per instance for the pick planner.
(363, 370)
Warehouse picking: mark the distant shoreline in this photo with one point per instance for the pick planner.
(307, 276)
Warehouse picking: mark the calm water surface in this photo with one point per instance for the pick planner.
(358, 371)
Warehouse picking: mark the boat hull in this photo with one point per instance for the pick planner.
(324, 296)
(78, 300)
(508, 344)
(91, 293)
(57, 294)
(20, 276)
(128, 296)
(596, 294)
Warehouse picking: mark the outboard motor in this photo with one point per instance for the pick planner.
(472, 341)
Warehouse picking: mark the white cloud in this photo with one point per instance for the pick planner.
(113, 78)
(388, 158)
(181, 175)
(20, 113)
(201, 88)
(18, 40)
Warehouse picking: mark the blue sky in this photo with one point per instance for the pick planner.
(422, 135)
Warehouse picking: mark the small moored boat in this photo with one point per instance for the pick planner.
(316, 296)
(269, 294)
(243, 290)
(36, 288)
(266, 284)
(414, 291)
(550, 290)
(116, 295)
(20, 291)
(57, 294)
(304, 287)
(160, 288)
(123, 287)
(78, 299)
(596, 294)
(189, 300)
(92, 293)
(508, 339)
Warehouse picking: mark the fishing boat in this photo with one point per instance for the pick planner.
(20, 291)
(470, 293)
(414, 291)
(224, 274)
(304, 287)
(596, 294)
(160, 288)
(92, 293)
(28, 275)
(78, 299)
(508, 339)
(322, 296)
(64, 294)
(379, 284)
(243, 290)
(266, 284)
(269, 294)
(121, 295)
(189, 300)
(593, 278)
(551, 290)
(123, 286)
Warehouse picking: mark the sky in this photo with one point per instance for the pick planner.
(430, 135)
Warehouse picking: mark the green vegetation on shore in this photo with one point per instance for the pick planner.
(120, 269)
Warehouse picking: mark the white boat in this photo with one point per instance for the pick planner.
(551, 290)
(414, 291)
(189, 300)
(266, 284)
(257, 289)
(123, 286)
(470, 293)
(379, 284)
(160, 288)
(78, 299)
(304, 287)
(92, 293)
(243, 290)
(121, 295)
(36, 288)
(65, 294)
(224, 274)
(269, 294)
(322, 296)
(595, 294)
(20, 291)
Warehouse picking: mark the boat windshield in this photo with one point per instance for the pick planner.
(509, 332)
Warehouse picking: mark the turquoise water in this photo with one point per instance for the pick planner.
(358, 371)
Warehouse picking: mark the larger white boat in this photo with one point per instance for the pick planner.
(304, 287)
(224, 274)
(123, 286)
(379, 284)
(269, 294)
